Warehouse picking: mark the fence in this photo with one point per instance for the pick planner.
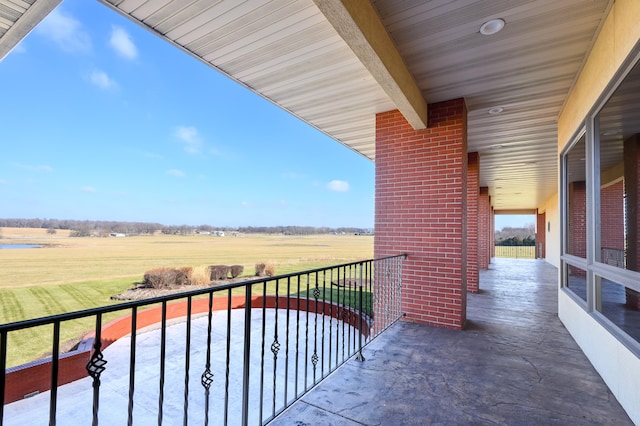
(232, 354)
(518, 252)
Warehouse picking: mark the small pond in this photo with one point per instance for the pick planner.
(19, 246)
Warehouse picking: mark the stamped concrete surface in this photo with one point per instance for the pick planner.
(514, 364)
(290, 375)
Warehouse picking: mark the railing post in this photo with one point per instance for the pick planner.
(55, 363)
(3, 366)
(247, 355)
(360, 356)
(96, 366)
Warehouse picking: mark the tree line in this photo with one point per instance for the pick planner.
(510, 236)
(85, 228)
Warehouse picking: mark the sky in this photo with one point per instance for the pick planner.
(514, 220)
(102, 120)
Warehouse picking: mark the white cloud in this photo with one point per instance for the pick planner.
(31, 168)
(88, 189)
(121, 42)
(102, 80)
(65, 31)
(176, 173)
(338, 185)
(190, 139)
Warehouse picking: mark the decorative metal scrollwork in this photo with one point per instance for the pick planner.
(275, 347)
(316, 293)
(207, 379)
(96, 364)
(314, 359)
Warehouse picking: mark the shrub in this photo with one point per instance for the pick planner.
(180, 277)
(201, 276)
(188, 272)
(219, 272)
(213, 272)
(164, 277)
(236, 270)
(260, 269)
(270, 270)
(224, 272)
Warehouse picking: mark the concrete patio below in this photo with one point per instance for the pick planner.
(514, 364)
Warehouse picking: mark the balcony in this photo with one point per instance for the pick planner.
(514, 364)
(202, 357)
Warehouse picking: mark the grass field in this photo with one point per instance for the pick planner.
(71, 274)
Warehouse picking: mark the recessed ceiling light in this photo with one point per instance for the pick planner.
(610, 133)
(496, 110)
(491, 27)
(495, 147)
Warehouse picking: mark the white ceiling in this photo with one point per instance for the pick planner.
(288, 52)
(28, 12)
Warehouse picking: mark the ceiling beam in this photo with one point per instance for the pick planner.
(19, 29)
(359, 25)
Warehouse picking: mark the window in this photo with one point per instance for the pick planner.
(601, 211)
(576, 200)
(613, 306)
(619, 153)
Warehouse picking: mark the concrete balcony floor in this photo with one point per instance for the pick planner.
(515, 364)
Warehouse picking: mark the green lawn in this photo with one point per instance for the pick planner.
(73, 274)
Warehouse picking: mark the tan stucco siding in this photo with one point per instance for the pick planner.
(617, 37)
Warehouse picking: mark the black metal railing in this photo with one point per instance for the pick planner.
(232, 354)
(613, 257)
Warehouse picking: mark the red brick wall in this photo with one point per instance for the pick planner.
(632, 188)
(577, 238)
(577, 235)
(612, 216)
(420, 210)
(492, 233)
(473, 192)
(541, 235)
(484, 229)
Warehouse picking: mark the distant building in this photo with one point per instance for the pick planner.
(117, 234)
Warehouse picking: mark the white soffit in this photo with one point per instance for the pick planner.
(284, 50)
(287, 51)
(18, 18)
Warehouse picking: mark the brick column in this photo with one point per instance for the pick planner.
(541, 235)
(484, 228)
(420, 210)
(492, 233)
(473, 192)
(632, 189)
